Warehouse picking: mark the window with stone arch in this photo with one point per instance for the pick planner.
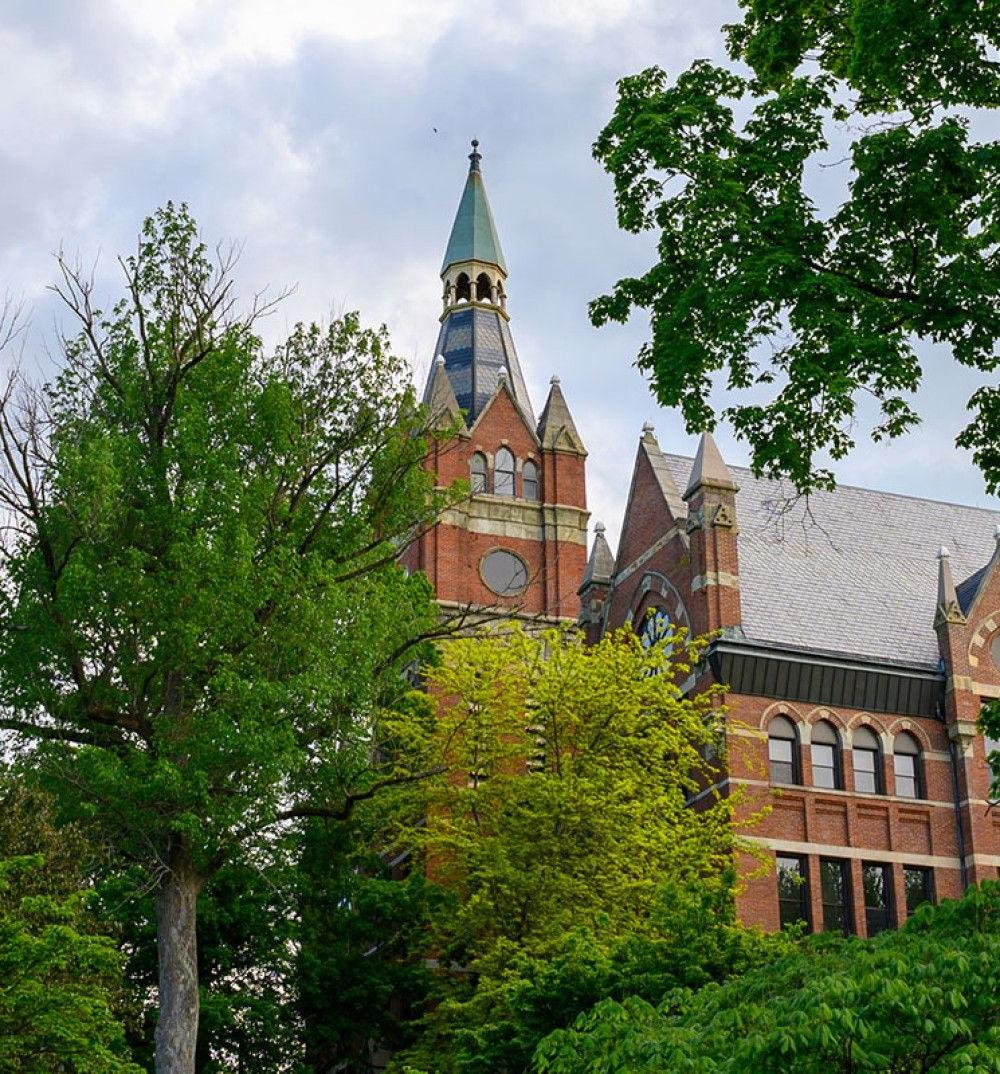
(483, 286)
(907, 767)
(463, 288)
(503, 473)
(867, 755)
(478, 472)
(783, 751)
(827, 770)
(529, 480)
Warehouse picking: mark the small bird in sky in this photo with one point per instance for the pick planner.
(434, 129)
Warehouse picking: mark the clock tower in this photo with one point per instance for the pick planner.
(519, 540)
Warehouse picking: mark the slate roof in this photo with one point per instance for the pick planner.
(853, 572)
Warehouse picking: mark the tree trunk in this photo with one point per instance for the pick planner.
(177, 951)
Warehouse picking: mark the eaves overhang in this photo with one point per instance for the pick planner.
(760, 670)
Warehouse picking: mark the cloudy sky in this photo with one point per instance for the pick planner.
(306, 130)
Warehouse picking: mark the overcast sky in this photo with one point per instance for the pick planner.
(306, 130)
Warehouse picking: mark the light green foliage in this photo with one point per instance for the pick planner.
(925, 1000)
(762, 286)
(563, 833)
(60, 978)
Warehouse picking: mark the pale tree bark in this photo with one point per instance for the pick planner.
(177, 952)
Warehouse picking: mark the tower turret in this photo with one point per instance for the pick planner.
(475, 337)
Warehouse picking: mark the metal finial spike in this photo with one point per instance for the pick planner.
(475, 156)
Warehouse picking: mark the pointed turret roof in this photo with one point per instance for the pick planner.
(948, 608)
(709, 468)
(473, 234)
(556, 428)
(601, 565)
(439, 397)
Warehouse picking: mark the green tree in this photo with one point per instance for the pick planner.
(924, 1000)
(798, 307)
(205, 620)
(563, 832)
(60, 976)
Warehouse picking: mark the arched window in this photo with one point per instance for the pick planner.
(825, 754)
(907, 767)
(783, 751)
(503, 473)
(463, 289)
(867, 762)
(529, 480)
(482, 287)
(477, 472)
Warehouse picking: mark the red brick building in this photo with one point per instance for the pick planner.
(856, 665)
(856, 669)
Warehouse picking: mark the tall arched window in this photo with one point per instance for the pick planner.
(529, 480)
(463, 288)
(867, 762)
(825, 754)
(477, 472)
(783, 751)
(503, 473)
(482, 287)
(907, 767)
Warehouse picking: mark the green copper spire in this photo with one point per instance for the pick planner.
(474, 235)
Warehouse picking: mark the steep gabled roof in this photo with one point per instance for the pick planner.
(601, 564)
(849, 572)
(556, 428)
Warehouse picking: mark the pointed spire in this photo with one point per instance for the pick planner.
(439, 398)
(948, 608)
(473, 234)
(709, 468)
(601, 565)
(671, 493)
(556, 428)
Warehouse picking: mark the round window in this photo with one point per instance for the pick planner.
(504, 572)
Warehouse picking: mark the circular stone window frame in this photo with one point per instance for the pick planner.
(493, 589)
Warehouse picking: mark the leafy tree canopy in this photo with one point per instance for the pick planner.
(205, 621)
(924, 1000)
(800, 308)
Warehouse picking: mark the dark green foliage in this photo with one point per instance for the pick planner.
(494, 1024)
(60, 977)
(924, 1000)
(361, 970)
(799, 308)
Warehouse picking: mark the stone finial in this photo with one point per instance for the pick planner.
(948, 608)
(709, 468)
(647, 428)
(503, 375)
(599, 527)
(554, 379)
(439, 361)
